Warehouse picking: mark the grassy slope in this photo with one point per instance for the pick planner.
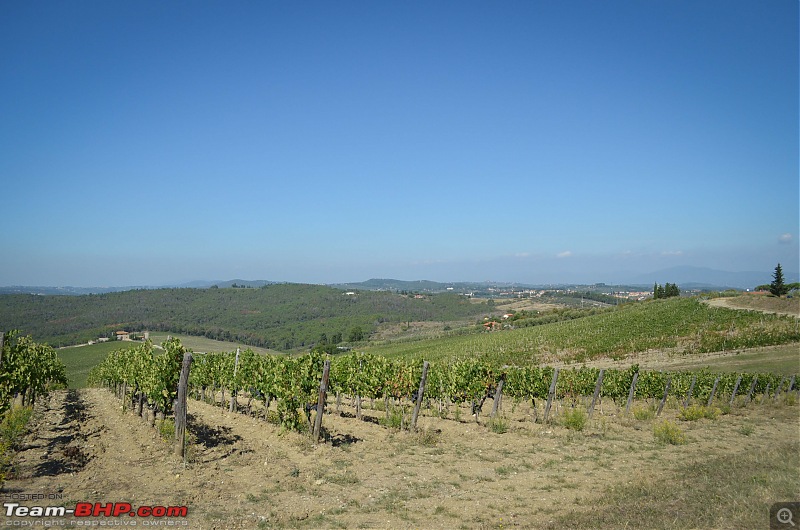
(784, 359)
(681, 325)
(79, 360)
(766, 303)
(202, 344)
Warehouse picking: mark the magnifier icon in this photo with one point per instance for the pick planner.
(784, 516)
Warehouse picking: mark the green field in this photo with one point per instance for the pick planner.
(202, 344)
(79, 360)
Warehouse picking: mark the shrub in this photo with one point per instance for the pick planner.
(644, 413)
(746, 430)
(166, 429)
(394, 421)
(498, 425)
(696, 412)
(667, 432)
(427, 437)
(12, 428)
(574, 419)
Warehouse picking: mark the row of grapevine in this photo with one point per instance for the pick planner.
(294, 381)
(27, 369)
(151, 377)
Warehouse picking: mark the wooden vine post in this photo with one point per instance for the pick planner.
(358, 395)
(752, 389)
(420, 394)
(735, 389)
(2, 343)
(597, 388)
(180, 406)
(632, 392)
(140, 401)
(232, 407)
(713, 391)
(498, 395)
(550, 394)
(664, 399)
(780, 385)
(323, 390)
(689, 393)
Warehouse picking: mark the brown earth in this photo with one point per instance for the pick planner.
(242, 472)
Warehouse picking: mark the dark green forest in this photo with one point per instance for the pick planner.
(278, 316)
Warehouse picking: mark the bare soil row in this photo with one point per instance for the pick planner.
(242, 472)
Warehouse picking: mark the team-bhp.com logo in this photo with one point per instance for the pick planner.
(96, 509)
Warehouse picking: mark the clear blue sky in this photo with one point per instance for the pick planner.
(145, 143)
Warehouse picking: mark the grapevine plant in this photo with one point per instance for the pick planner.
(28, 369)
(294, 381)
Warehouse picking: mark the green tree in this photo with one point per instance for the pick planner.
(777, 287)
(671, 289)
(668, 290)
(356, 334)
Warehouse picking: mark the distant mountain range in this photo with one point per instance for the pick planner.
(68, 290)
(686, 277)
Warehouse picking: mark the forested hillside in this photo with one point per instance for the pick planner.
(280, 316)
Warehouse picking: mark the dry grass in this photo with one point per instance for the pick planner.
(761, 302)
(247, 473)
(725, 491)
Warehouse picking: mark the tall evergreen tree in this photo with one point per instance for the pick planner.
(777, 287)
(668, 290)
(671, 289)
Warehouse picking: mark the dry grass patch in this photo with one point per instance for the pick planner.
(728, 491)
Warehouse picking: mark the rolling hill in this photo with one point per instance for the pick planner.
(276, 316)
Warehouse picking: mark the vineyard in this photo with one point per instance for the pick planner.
(292, 383)
(496, 444)
(440, 426)
(685, 325)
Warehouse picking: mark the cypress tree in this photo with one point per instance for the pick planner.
(777, 287)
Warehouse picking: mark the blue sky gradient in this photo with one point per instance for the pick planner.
(146, 143)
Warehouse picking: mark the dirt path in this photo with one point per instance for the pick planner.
(84, 448)
(754, 303)
(242, 472)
